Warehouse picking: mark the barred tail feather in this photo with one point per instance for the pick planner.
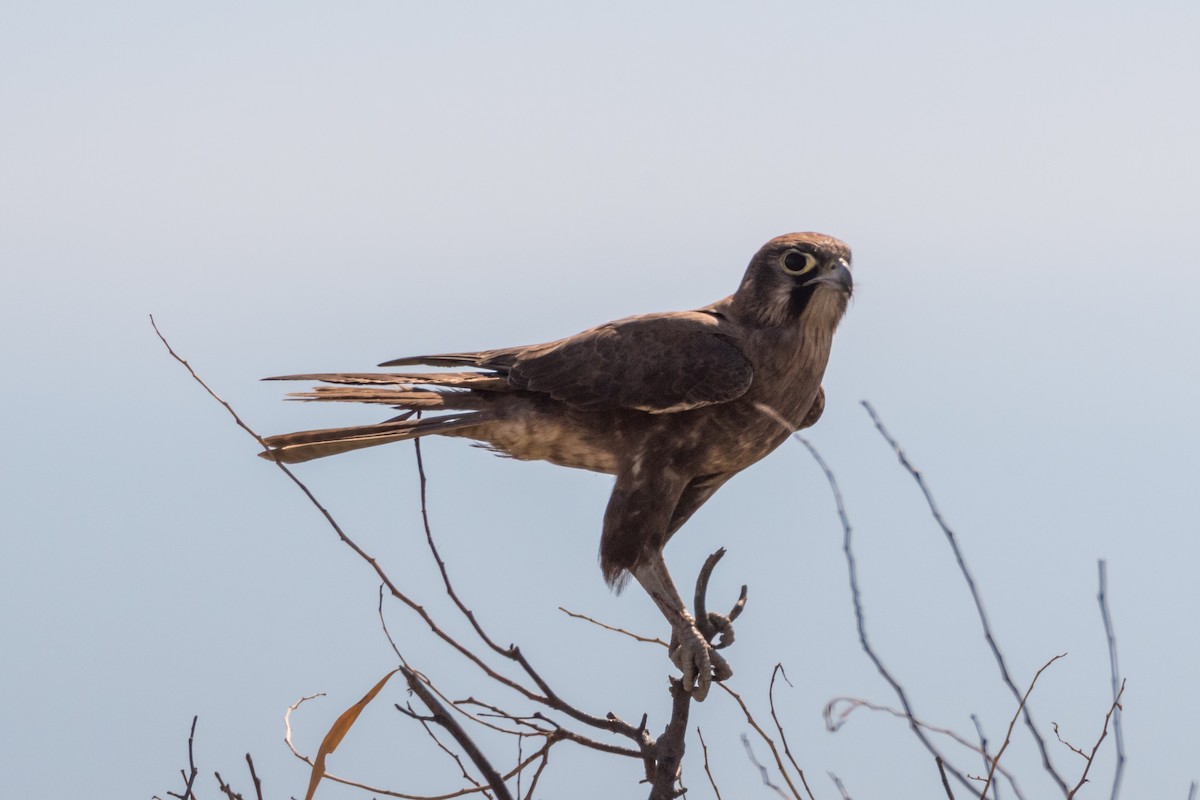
(294, 448)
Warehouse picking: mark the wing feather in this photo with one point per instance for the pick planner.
(660, 363)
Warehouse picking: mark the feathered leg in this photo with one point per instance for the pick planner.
(689, 650)
(637, 523)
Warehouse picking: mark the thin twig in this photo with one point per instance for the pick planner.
(226, 788)
(454, 756)
(1067, 744)
(841, 787)
(630, 634)
(983, 749)
(770, 745)
(975, 597)
(1011, 724)
(762, 771)
(190, 777)
(778, 670)
(707, 770)
(1114, 708)
(1115, 671)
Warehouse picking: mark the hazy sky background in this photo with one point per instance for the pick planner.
(299, 186)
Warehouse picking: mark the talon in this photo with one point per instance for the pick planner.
(697, 660)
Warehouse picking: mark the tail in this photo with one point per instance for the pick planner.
(293, 448)
(456, 391)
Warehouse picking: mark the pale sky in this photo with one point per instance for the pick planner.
(298, 186)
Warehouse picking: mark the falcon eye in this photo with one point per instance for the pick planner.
(797, 262)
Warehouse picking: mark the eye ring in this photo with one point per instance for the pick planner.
(797, 262)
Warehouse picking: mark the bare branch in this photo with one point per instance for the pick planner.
(770, 744)
(860, 619)
(1016, 716)
(778, 670)
(1114, 708)
(983, 749)
(549, 697)
(1068, 745)
(841, 787)
(1114, 669)
(226, 788)
(441, 717)
(254, 777)
(630, 634)
(669, 747)
(467, 776)
(762, 771)
(945, 781)
(190, 776)
(707, 770)
(975, 597)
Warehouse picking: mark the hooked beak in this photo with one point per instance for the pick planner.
(839, 278)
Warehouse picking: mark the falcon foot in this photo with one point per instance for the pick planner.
(694, 645)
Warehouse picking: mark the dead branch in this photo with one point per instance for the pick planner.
(441, 717)
(1016, 716)
(770, 745)
(226, 789)
(669, 747)
(983, 749)
(762, 771)
(630, 634)
(1115, 673)
(778, 670)
(189, 777)
(841, 787)
(1091, 757)
(707, 770)
(860, 620)
(254, 777)
(975, 597)
(945, 781)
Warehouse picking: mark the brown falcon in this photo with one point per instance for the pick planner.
(673, 405)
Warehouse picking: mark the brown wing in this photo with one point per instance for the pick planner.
(660, 363)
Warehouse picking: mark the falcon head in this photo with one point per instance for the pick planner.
(797, 278)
